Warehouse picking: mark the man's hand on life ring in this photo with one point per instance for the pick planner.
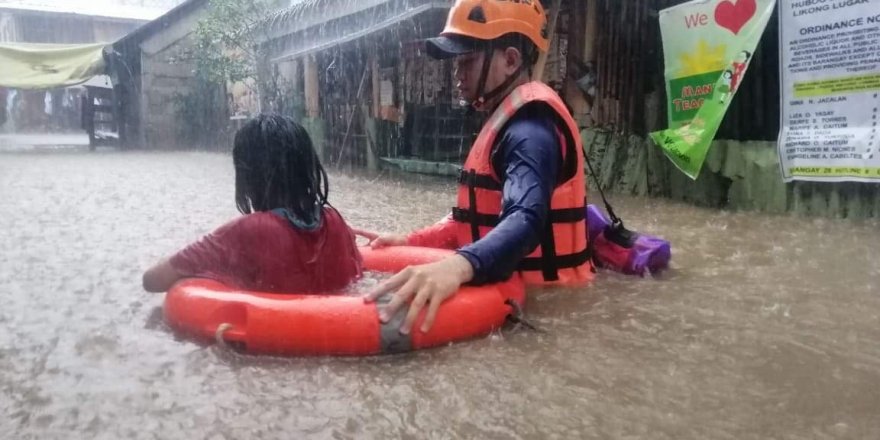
(427, 284)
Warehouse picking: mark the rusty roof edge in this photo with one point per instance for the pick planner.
(409, 13)
(307, 14)
(311, 13)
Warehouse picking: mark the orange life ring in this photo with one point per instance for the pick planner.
(306, 324)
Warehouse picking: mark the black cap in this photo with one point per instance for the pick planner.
(449, 46)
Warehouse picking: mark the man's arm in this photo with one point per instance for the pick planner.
(530, 157)
(440, 235)
(532, 160)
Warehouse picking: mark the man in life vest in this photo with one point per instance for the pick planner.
(521, 194)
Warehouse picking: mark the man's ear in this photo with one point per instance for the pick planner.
(513, 58)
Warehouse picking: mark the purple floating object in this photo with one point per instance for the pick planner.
(621, 250)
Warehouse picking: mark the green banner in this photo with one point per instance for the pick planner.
(708, 45)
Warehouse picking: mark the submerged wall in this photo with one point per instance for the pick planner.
(737, 175)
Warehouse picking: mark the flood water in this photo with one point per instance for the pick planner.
(765, 328)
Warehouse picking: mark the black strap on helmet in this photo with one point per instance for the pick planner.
(482, 98)
(484, 75)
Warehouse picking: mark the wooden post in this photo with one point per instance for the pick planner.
(88, 116)
(591, 39)
(312, 87)
(538, 72)
(296, 76)
(377, 85)
(372, 127)
(573, 94)
(590, 32)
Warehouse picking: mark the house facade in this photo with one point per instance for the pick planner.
(45, 22)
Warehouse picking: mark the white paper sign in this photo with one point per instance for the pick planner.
(386, 93)
(830, 78)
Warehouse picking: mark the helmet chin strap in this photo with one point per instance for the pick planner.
(482, 98)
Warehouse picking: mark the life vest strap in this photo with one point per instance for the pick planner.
(549, 269)
(569, 215)
(472, 201)
(465, 216)
(481, 181)
(560, 261)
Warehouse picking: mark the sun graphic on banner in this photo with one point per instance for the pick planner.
(704, 59)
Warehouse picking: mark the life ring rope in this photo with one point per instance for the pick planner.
(517, 317)
(218, 335)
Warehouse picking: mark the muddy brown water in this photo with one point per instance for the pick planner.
(765, 328)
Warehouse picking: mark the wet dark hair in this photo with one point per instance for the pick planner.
(276, 167)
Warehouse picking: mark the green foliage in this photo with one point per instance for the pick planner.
(226, 48)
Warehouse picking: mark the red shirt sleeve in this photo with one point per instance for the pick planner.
(218, 255)
(439, 235)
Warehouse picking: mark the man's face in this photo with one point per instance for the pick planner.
(469, 67)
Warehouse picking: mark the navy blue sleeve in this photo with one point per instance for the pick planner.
(528, 158)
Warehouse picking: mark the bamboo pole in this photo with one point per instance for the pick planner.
(591, 31)
(590, 51)
(538, 72)
(372, 135)
(601, 51)
(618, 63)
(637, 101)
(571, 93)
(377, 85)
(312, 87)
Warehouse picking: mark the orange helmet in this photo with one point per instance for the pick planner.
(486, 20)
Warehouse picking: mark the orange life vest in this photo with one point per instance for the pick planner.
(563, 256)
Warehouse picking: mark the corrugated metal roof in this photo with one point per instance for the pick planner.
(367, 26)
(304, 14)
(309, 45)
(92, 8)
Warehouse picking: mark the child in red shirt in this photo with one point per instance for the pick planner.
(289, 239)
